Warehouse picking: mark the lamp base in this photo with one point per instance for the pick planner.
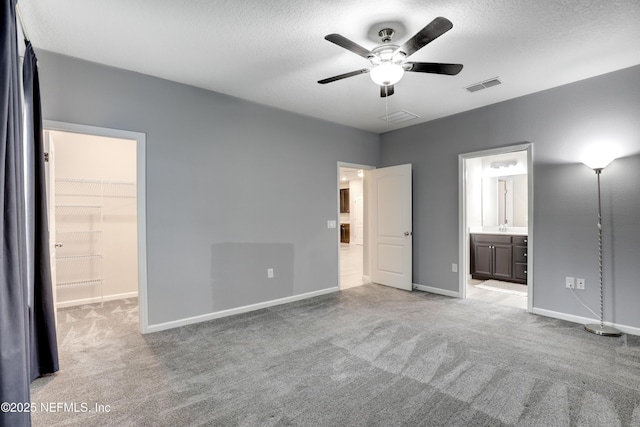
(606, 331)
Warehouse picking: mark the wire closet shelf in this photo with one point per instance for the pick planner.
(80, 220)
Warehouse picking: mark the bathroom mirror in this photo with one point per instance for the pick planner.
(504, 201)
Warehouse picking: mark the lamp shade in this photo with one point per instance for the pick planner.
(598, 162)
(386, 74)
(598, 154)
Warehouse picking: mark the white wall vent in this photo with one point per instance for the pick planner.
(399, 117)
(483, 85)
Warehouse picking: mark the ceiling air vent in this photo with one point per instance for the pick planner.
(474, 88)
(483, 85)
(399, 117)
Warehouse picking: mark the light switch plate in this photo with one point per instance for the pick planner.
(331, 223)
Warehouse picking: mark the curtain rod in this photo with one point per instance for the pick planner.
(24, 29)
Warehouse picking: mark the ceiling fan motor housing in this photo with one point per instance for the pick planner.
(386, 34)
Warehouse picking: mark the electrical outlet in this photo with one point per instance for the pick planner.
(569, 282)
(269, 273)
(580, 284)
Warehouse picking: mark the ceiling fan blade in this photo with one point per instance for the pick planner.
(349, 45)
(343, 76)
(432, 67)
(432, 31)
(386, 91)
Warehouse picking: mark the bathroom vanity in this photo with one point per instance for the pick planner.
(499, 256)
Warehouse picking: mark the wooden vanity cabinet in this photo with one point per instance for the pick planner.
(499, 257)
(491, 257)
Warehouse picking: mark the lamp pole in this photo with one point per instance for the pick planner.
(601, 329)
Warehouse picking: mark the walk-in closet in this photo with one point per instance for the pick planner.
(92, 187)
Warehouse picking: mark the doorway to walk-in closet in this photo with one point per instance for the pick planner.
(351, 225)
(496, 227)
(92, 189)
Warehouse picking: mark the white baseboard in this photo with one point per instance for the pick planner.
(94, 300)
(239, 310)
(366, 279)
(631, 330)
(431, 289)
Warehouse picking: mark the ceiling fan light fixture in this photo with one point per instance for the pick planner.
(387, 60)
(386, 74)
(398, 56)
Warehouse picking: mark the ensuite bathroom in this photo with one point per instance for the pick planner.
(497, 216)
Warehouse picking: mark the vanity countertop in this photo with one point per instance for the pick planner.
(510, 231)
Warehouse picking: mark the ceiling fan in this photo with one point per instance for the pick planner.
(387, 59)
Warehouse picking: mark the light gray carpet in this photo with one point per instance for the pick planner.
(366, 356)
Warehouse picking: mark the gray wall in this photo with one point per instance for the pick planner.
(230, 182)
(232, 186)
(560, 123)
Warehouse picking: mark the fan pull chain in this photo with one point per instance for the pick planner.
(386, 104)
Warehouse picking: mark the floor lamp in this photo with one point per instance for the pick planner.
(600, 329)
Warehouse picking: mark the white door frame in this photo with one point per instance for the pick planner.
(365, 244)
(141, 198)
(463, 243)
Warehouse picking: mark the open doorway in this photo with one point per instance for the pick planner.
(496, 210)
(97, 221)
(351, 225)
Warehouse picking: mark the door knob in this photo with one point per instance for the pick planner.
(408, 233)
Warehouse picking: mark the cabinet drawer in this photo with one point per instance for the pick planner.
(520, 240)
(520, 271)
(491, 238)
(520, 254)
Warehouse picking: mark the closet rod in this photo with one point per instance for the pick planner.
(24, 29)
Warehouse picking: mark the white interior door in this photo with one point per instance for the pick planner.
(389, 199)
(357, 213)
(50, 169)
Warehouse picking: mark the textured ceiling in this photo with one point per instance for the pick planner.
(273, 52)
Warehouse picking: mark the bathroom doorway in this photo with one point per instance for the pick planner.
(495, 220)
(351, 225)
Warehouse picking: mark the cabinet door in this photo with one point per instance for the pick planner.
(483, 259)
(344, 200)
(345, 233)
(502, 261)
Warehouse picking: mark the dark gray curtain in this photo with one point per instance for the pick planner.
(14, 321)
(44, 350)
